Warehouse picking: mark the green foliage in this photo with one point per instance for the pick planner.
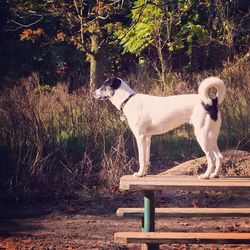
(153, 19)
(145, 19)
(188, 27)
(191, 33)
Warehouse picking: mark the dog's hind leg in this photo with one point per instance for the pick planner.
(217, 154)
(210, 165)
(204, 142)
(142, 152)
(218, 157)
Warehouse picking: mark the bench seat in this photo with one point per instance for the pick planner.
(186, 212)
(182, 238)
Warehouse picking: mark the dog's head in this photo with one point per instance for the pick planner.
(107, 90)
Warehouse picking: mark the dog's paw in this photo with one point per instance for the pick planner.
(203, 176)
(214, 175)
(138, 174)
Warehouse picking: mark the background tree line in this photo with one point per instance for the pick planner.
(55, 139)
(84, 41)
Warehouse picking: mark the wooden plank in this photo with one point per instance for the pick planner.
(186, 212)
(178, 183)
(182, 238)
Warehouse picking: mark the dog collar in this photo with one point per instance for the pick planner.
(124, 102)
(122, 116)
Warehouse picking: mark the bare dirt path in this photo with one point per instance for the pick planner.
(80, 231)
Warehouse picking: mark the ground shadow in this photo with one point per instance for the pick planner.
(15, 228)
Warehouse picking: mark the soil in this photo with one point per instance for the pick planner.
(90, 223)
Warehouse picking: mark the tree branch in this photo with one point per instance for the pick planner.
(22, 25)
(143, 6)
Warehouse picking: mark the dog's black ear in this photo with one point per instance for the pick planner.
(115, 83)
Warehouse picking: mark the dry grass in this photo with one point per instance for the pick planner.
(56, 142)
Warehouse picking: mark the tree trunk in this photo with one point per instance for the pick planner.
(93, 71)
(95, 65)
(162, 64)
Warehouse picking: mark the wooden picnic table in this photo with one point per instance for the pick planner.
(178, 183)
(150, 184)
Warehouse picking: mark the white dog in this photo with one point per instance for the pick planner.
(152, 115)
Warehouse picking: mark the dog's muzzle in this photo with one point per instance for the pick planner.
(96, 94)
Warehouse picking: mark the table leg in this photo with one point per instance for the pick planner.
(149, 218)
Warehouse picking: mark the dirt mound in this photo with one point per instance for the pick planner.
(235, 163)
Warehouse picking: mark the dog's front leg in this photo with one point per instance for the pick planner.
(148, 145)
(142, 152)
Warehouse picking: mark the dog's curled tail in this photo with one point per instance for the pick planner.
(212, 82)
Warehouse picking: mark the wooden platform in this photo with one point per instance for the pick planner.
(182, 238)
(189, 183)
(185, 212)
